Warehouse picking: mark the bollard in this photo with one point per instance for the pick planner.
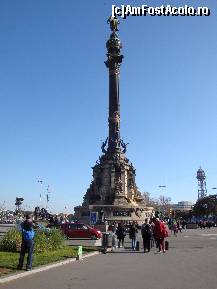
(105, 242)
(79, 253)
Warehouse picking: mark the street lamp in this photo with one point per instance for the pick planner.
(161, 208)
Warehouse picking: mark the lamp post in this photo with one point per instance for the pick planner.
(161, 206)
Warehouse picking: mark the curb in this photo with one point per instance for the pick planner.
(44, 268)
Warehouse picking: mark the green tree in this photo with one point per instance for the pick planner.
(206, 206)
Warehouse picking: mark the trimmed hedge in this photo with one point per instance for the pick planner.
(44, 241)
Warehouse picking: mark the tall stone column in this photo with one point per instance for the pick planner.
(113, 62)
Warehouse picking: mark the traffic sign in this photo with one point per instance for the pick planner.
(93, 217)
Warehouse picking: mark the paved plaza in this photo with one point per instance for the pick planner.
(190, 263)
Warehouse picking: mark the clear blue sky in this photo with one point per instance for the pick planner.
(54, 98)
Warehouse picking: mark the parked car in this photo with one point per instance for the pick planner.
(78, 230)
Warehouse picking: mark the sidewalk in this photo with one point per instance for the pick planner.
(21, 274)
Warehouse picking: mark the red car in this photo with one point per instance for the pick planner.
(77, 230)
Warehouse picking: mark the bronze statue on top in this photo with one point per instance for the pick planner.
(113, 21)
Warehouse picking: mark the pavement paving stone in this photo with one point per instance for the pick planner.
(190, 263)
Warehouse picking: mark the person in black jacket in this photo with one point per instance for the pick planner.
(120, 232)
(132, 234)
(146, 235)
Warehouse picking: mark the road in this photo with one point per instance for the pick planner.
(190, 263)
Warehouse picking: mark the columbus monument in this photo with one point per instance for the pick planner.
(113, 193)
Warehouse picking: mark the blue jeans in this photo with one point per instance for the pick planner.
(133, 243)
(27, 246)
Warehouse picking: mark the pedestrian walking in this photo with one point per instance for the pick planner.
(121, 234)
(160, 233)
(27, 243)
(179, 226)
(153, 242)
(132, 234)
(184, 224)
(147, 234)
(200, 224)
(113, 233)
(175, 229)
(209, 224)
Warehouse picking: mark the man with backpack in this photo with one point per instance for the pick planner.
(27, 243)
(146, 235)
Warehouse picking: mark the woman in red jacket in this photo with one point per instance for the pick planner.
(160, 233)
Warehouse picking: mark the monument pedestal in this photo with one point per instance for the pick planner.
(115, 213)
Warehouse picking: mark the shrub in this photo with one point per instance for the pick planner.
(48, 240)
(41, 242)
(56, 239)
(44, 241)
(11, 241)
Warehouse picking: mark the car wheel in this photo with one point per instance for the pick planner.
(93, 237)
